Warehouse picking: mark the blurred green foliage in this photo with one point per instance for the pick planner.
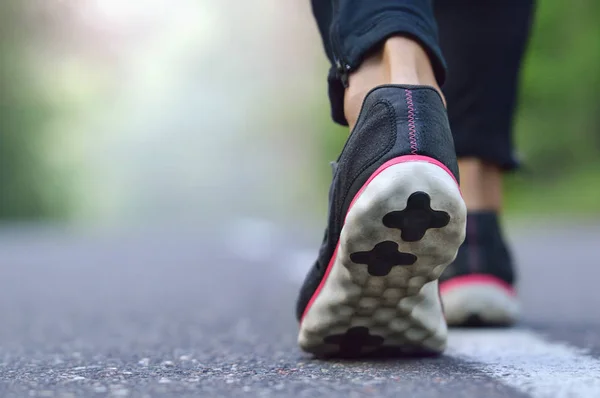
(24, 189)
(557, 126)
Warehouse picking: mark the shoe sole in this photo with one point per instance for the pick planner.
(479, 300)
(379, 295)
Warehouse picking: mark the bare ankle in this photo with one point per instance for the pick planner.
(400, 60)
(481, 185)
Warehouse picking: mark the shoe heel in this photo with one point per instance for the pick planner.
(381, 295)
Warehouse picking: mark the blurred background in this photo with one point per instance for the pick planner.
(116, 115)
(164, 167)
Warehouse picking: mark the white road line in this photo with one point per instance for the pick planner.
(526, 361)
(518, 358)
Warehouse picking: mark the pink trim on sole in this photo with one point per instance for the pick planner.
(476, 279)
(389, 163)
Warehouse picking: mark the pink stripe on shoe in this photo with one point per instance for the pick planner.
(412, 127)
(476, 279)
(403, 159)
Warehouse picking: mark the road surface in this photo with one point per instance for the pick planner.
(209, 312)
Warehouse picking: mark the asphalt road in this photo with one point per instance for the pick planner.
(209, 313)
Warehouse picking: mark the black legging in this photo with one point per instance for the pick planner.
(476, 59)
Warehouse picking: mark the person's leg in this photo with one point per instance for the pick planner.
(396, 216)
(400, 60)
(483, 43)
(355, 38)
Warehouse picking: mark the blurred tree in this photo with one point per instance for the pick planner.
(24, 192)
(558, 123)
(559, 94)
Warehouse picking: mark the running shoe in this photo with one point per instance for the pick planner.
(396, 220)
(478, 288)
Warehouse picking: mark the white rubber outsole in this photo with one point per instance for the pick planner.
(356, 313)
(482, 304)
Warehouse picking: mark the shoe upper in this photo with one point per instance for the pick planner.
(484, 251)
(394, 121)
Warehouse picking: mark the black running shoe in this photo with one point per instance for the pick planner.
(396, 220)
(478, 287)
